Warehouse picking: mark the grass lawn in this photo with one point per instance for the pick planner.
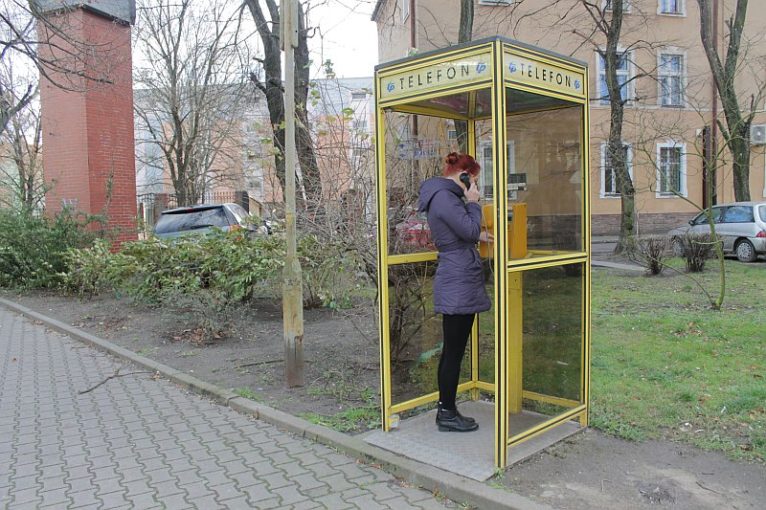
(665, 365)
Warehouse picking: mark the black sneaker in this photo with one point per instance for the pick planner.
(450, 420)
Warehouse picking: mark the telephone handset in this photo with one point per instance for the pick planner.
(466, 180)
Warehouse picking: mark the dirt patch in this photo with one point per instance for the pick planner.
(588, 471)
(592, 471)
(340, 349)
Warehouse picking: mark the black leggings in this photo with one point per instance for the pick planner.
(457, 329)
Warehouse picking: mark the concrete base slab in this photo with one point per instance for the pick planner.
(469, 454)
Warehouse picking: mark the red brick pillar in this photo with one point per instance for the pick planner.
(89, 158)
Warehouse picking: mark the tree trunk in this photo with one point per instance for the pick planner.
(465, 34)
(273, 90)
(738, 136)
(739, 145)
(626, 242)
(312, 183)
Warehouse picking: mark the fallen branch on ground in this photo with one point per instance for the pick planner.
(113, 376)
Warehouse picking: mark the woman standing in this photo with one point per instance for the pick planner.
(454, 217)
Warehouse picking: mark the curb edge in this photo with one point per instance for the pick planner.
(433, 479)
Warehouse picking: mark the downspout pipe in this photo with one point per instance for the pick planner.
(714, 120)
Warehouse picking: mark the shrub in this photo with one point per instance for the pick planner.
(219, 269)
(651, 253)
(229, 265)
(199, 275)
(326, 267)
(88, 268)
(697, 249)
(33, 250)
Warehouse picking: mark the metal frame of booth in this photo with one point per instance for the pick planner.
(498, 64)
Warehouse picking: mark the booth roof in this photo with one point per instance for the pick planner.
(479, 42)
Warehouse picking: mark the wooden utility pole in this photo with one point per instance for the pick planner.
(292, 290)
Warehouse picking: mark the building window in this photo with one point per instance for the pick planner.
(404, 6)
(358, 157)
(609, 182)
(358, 95)
(671, 7)
(255, 186)
(487, 175)
(359, 124)
(623, 76)
(670, 74)
(671, 170)
(452, 134)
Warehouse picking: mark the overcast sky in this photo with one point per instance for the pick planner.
(348, 37)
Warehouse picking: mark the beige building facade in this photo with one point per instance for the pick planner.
(667, 83)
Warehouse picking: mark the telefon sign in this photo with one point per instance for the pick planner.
(437, 75)
(547, 75)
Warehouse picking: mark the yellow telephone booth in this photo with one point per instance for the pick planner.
(522, 112)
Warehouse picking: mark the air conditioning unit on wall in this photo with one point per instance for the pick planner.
(758, 134)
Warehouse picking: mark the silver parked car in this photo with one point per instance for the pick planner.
(741, 225)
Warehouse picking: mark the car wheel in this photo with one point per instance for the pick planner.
(677, 246)
(745, 251)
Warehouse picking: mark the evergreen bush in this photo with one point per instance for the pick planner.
(33, 249)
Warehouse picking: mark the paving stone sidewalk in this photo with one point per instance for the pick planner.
(137, 442)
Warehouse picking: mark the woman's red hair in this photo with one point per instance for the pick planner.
(458, 163)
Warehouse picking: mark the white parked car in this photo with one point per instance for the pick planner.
(741, 225)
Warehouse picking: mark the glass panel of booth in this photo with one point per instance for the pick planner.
(415, 331)
(416, 147)
(545, 181)
(550, 355)
(545, 176)
(415, 150)
(415, 334)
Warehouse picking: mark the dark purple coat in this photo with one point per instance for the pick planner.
(455, 228)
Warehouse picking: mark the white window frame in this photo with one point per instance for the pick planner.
(601, 68)
(681, 9)
(764, 176)
(670, 144)
(511, 164)
(359, 124)
(627, 7)
(682, 54)
(603, 193)
(404, 6)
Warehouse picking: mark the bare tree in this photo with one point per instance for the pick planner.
(736, 133)
(192, 87)
(21, 170)
(654, 129)
(609, 25)
(270, 84)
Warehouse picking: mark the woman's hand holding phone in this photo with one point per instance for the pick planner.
(472, 194)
